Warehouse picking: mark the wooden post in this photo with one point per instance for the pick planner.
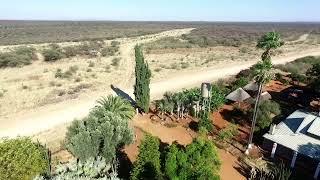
(316, 174)
(274, 148)
(294, 158)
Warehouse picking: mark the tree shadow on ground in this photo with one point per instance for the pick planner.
(123, 94)
(243, 169)
(193, 125)
(125, 165)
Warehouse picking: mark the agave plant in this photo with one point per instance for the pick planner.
(93, 168)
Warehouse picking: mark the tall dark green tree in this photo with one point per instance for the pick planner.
(147, 165)
(143, 75)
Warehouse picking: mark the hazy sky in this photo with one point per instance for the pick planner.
(166, 10)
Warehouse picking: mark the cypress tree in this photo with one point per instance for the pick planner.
(143, 75)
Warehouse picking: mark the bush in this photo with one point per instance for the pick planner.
(199, 160)
(71, 51)
(109, 51)
(147, 165)
(298, 78)
(22, 159)
(266, 111)
(217, 98)
(67, 74)
(18, 57)
(93, 168)
(239, 83)
(205, 121)
(228, 132)
(99, 134)
(53, 53)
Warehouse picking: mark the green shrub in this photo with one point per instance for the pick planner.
(93, 168)
(266, 110)
(239, 83)
(18, 57)
(115, 43)
(205, 121)
(217, 98)
(99, 134)
(228, 132)
(67, 74)
(147, 165)
(71, 51)
(53, 53)
(298, 78)
(109, 51)
(199, 160)
(22, 159)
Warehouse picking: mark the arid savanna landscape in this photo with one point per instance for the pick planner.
(150, 99)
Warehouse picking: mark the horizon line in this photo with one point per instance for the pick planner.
(204, 21)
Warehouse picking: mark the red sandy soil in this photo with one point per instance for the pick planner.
(182, 136)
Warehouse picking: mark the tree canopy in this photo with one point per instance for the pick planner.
(141, 87)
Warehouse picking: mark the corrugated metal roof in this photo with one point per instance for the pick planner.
(315, 127)
(293, 133)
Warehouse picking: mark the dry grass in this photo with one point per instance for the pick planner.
(167, 61)
(37, 84)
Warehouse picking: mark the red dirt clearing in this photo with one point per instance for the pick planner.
(182, 136)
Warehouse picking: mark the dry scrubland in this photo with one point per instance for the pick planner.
(169, 53)
(224, 44)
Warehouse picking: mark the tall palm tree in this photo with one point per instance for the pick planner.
(267, 42)
(114, 104)
(262, 71)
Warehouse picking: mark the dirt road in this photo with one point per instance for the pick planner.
(46, 117)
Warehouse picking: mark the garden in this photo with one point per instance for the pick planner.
(121, 139)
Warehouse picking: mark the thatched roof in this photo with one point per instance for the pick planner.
(265, 96)
(238, 95)
(251, 87)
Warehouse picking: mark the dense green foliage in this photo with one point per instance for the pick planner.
(228, 132)
(300, 65)
(21, 159)
(190, 100)
(18, 57)
(239, 83)
(93, 168)
(147, 165)
(267, 42)
(53, 53)
(266, 111)
(114, 104)
(205, 121)
(102, 131)
(141, 87)
(314, 75)
(199, 160)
